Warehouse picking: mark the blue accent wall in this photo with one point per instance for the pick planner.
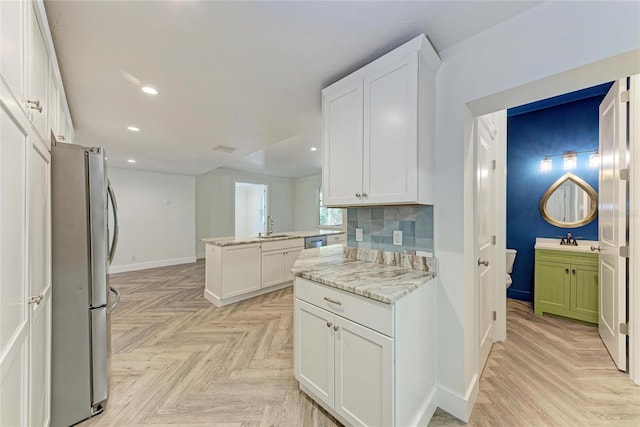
(530, 136)
(378, 223)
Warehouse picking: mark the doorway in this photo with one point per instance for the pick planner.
(632, 301)
(250, 208)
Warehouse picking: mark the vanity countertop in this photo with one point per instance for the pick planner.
(230, 241)
(554, 244)
(372, 274)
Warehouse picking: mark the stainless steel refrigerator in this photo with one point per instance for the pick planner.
(81, 303)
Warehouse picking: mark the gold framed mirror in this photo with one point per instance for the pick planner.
(569, 202)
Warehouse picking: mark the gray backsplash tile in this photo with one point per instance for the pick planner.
(378, 224)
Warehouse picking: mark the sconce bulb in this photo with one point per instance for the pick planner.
(570, 161)
(545, 165)
(594, 160)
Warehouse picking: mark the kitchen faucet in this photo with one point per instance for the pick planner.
(269, 225)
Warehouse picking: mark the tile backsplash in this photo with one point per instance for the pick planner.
(378, 224)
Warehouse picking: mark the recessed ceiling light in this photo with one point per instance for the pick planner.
(133, 129)
(131, 161)
(313, 148)
(150, 90)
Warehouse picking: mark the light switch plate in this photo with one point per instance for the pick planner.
(397, 237)
(358, 234)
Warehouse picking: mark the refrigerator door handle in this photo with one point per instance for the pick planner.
(116, 223)
(116, 302)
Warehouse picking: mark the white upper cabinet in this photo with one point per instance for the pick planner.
(12, 48)
(38, 88)
(378, 130)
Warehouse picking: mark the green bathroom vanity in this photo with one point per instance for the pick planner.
(566, 280)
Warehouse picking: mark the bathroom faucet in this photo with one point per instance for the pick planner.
(269, 225)
(569, 240)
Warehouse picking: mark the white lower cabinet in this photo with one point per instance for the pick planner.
(359, 374)
(238, 272)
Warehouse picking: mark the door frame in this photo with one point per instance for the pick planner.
(557, 85)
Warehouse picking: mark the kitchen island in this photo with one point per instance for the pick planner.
(238, 268)
(364, 334)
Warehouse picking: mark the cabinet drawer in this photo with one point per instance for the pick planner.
(367, 312)
(283, 244)
(336, 239)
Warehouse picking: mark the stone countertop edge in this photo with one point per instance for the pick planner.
(378, 279)
(289, 235)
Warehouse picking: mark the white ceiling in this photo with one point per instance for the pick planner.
(242, 74)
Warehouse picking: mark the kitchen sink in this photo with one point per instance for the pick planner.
(273, 236)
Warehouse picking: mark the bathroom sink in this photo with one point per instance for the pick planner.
(554, 244)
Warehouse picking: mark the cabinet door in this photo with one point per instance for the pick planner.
(314, 350)
(54, 107)
(552, 287)
(584, 292)
(290, 257)
(364, 375)
(39, 79)
(391, 133)
(342, 143)
(12, 24)
(14, 310)
(240, 270)
(272, 268)
(40, 282)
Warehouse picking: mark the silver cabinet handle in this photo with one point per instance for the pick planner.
(484, 262)
(329, 324)
(35, 105)
(364, 195)
(61, 137)
(332, 301)
(116, 223)
(335, 328)
(117, 301)
(358, 195)
(595, 248)
(36, 299)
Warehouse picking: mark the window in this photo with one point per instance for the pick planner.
(329, 217)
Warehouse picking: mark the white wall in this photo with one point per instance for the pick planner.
(306, 210)
(553, 48)
(157, 219)
(215, 203)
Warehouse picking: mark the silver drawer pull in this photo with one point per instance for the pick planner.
(332, 301)
(335, 328)
(329, 324)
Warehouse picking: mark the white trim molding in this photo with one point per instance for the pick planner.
(459, 406)
(634, 230)
(151, 264)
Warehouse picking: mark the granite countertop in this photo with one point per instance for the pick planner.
(381, 276)
(286, 235)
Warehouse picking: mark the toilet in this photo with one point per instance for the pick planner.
(511, 257)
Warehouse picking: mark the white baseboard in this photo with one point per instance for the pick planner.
(428, 408)
(151, 264)
(459, 406)
(213, 299)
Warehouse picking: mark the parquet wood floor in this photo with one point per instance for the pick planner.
(179, 360)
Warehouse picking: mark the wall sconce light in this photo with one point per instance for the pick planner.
(570, 160)
(545, 164)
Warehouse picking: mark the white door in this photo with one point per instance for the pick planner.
(391, 133)
(14, 310)
(39, 283)
(364, 375)
(612, 223)
(314, 352)
(486, 133)
(342, 111)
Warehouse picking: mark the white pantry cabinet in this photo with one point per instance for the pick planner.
(30, 83)
(378, 130)
(366, 362)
